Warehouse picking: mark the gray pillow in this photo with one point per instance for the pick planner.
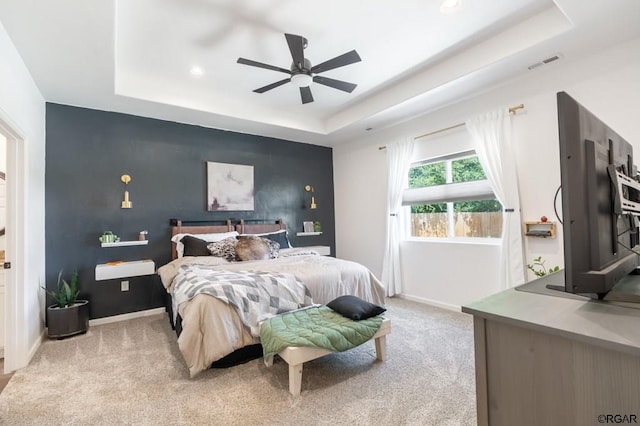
(279, 237)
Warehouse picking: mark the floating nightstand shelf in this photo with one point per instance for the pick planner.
(125, 243)
(540, 229)
(136, 268)
(308, 234)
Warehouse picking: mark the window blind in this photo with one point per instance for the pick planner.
(449, 192)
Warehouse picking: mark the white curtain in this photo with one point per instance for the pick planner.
(398, 162)
(492, 139)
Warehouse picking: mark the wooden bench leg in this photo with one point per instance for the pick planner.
(295, 379)
(381, 348)
(268, 361)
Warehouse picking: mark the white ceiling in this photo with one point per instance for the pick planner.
(135, 56)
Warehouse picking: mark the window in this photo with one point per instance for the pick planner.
(451, 197)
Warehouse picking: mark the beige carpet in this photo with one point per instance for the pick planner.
(132, 373)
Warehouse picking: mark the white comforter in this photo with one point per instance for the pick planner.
(211, 329)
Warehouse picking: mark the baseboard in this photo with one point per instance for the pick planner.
(447, 306)
(35, 347)
(124, 317)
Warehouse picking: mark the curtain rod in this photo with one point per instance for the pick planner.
(512, 110)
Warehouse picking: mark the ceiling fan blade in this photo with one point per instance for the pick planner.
(305, 94)
(272, 86)
(336, 84)
(261, 65)
(337, 62)
(296, 47)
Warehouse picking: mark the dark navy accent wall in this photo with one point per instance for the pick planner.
(86, 153)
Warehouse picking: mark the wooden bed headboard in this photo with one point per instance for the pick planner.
(259, 228)
(178, 227)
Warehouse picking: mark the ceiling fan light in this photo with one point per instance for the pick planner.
(301, 80)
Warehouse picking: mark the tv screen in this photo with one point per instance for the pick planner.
(599, 199)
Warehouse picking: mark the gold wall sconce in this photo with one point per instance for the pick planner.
(309, 188)
(126, 204)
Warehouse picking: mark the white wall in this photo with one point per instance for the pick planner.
(606, 83)
(23, 107)
(360, 200)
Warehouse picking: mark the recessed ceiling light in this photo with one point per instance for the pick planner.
(449, 6)
(196, 71)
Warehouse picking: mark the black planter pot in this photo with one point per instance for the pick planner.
(65, 322)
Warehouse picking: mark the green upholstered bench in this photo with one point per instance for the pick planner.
(296, 356)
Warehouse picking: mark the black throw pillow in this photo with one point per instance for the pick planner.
(279, 237)
(194, 246)
(355, 308)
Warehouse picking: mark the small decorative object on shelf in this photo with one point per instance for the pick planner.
(109, 237)
(544, 228)
(142, 235)
(316, 226)
(307, 226)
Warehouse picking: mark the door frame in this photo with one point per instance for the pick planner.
(15, 347)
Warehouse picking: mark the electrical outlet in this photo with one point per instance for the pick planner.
(124, 285)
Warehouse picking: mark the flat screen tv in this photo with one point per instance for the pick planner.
(600, 201)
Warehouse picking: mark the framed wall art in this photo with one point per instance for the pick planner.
(229, 187)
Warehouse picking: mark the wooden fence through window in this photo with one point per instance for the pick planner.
(478, 225)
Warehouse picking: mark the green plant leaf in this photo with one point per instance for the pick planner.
(538, 268)
(67, 292)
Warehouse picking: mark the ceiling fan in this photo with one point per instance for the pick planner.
(302, 73)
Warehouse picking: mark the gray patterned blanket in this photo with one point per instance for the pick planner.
(255, 295)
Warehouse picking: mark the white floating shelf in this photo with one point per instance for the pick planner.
(125, 243)
(108, 271)
(308, 234)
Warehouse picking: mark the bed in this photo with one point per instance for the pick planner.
(213, 331)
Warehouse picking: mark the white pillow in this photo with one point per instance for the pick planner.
(210, 238)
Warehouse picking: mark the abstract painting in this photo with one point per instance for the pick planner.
(229, 187)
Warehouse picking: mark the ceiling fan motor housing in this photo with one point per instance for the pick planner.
(305, 69)
(301, 76)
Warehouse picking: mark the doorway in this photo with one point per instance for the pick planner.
(3, 222)
(4, 378)
(12, 307)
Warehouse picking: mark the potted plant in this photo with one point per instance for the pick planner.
(69, 315)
